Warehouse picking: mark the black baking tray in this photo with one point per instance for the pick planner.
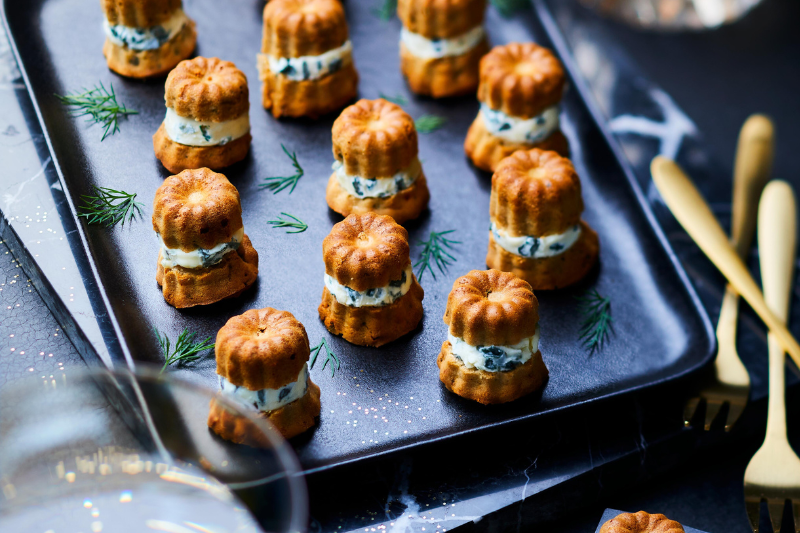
(387, 399)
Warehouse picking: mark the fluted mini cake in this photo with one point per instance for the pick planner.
(146, 38)
(536, 230)
(207, 122)
(371, 294)
(441, 45)
(306, 61)
(641, 522)
(491, 354)
(205, 255)
(520, 88)
(376, 168)
(262, 363)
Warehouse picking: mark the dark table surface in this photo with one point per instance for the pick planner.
(682, 94)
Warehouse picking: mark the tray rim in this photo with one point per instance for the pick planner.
(542, 15)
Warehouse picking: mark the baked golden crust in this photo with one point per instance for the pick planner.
(486, 151)
(188, 287)
(406, 205)
(373, 326)
(443, 77)
(490, 387)
(535, 192)
(290, 420)
(307, 98)
(139, 13)
(197, 208)
(366, 251)
(521, 79)
(207, 90)
(150, 63)
(549, 273)
(441, 19)
(178, 157)
(641, 522)
(490, 307)
(374, 139)
(295, 28)
(261, 349)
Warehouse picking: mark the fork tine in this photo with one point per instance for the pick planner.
(795, 515)
(712, 410)
(753, 506)
(690, 410)
(735, 410)
(776, 507)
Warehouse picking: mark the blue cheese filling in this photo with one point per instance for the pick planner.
(520, 130)
(535, 247)
(146, 38)
(494, 358)
(191, 132)
(425, 48)
(361, 187)
(266, 399)
(201, 257)
(310, 67)
(376, 297)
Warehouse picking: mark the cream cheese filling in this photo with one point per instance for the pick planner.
(191, 132)
(310, 67)
(535, 247)
(494, 358)
(361, 187)
(520, 130)
(146, 38)
(267, 399)
(376, 297)
(201, 257)
(425, 48)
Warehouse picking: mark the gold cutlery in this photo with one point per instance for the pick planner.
(730, 384)
(693, 213)
(774, 471)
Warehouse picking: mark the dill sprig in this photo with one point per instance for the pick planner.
(597, 321)
(278, 183)
(434, 251)
(507, 8)
(100, 105)
(429, 123)
(386, 10)
(330, 357)
(298, 225)
(185, 349)
(109, 207)
(399, 99)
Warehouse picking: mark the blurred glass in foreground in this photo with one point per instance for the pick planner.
(674, 14)
(100, 451)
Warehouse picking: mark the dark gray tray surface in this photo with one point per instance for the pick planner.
(611, 513)
(382, 399)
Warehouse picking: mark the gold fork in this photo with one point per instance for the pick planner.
(774, 471)
(730, 383)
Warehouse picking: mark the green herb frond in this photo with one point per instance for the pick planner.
(597, 321)
(99, 105)
(109, 207)
(278, 183)
(298, 225)
(508, 8)
(398, 99)
(330, 357)
(429, 123)
(185, 349)
(386, 10)
(434, 252)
